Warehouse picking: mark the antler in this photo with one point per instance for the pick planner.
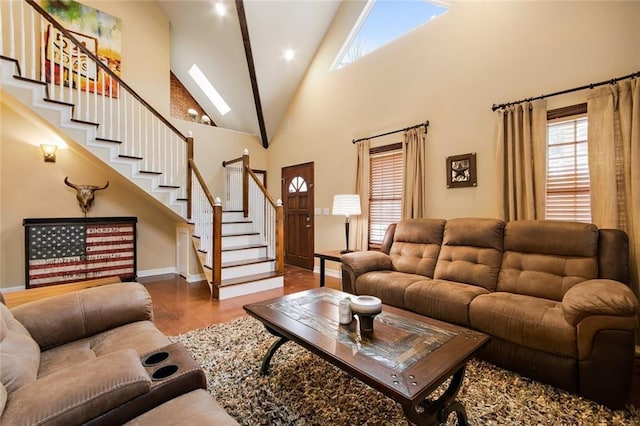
(104, 187)
(66, 182)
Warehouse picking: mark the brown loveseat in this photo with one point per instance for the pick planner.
(94, 356)
(552, 295)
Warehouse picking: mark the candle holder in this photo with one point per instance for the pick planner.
(366, 307)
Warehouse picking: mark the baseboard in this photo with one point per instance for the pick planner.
(158, 271)
(195, 278)
(10, 289)
(328, 272)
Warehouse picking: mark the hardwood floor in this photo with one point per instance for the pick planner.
(180, 307)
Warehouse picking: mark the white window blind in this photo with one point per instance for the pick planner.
(385, 193)
(568, 195)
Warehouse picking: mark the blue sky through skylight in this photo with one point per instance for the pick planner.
(387, 20)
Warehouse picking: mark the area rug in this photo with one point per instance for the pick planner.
(303, 389)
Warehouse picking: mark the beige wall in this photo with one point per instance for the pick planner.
(213, 145)
(146, 60)
(450, 72)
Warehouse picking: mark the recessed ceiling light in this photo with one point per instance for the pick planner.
(208, 89)
(221, 9)
(289, 54)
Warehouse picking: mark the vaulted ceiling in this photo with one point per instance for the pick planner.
(260, 94)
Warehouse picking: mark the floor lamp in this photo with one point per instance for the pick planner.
(346, 205)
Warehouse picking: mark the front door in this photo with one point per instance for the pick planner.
(297, 196)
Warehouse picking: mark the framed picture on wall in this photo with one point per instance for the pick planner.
(461, 171)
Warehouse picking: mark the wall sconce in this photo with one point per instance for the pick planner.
(49, 152)
(205, 120)
(192, 114)
(346, 205)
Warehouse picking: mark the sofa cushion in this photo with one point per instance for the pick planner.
(471, 252)
(440, 299)
(19, 353)
(3, 398)
(527, 321)
(546, 258)
(142, 336)
(389, 286)
(416, 244)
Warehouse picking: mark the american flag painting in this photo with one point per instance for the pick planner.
(79, 249)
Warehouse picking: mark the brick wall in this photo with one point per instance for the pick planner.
(181, 101)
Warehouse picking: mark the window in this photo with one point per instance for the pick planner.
(298, 185)
(383, 21)
(568, 196)
(385, 191)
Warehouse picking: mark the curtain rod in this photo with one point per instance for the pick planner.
(425, 124)
(562, 92)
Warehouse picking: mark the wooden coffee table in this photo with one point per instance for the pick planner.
(406, 358)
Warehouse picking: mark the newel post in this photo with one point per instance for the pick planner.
(279, 237)
(189, 173)
(216, 259)
(245, 182)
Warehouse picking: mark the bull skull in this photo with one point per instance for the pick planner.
(85, 194)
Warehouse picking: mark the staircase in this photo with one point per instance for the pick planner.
(246, 266)
(237, 252)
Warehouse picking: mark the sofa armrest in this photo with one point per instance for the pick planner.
(598, 297)
(80, 392)
(84, 313)
(360, 262)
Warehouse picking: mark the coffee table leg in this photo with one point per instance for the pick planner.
(429, 412)
(272, 350)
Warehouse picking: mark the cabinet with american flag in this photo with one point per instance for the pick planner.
(66, 250)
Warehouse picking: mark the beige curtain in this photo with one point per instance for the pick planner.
(614, 163)
(413, 180)
(362, 189)
(521, 161)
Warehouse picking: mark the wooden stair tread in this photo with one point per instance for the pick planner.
(30, 80)
(54, 101)
(239, 234)
(234, 222)
(244, 247)
(249, 278)
(108, 140)
(168, 186)
(148, 172)
(76, 120)
(130, 157)
(247, 262)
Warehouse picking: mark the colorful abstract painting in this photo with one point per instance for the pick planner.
(97, 31)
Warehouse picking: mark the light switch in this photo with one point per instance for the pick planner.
(326, 211)
(318, 211)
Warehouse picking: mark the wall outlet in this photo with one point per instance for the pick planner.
(317, 211)
(326, 211)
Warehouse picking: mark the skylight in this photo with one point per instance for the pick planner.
(383, 21)
(209, 90)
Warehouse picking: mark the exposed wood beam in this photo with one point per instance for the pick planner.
(242, 18)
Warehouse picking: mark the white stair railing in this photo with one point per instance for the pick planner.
(74, 75)
(234, 182)
(263, 214)
(246, 192)
(206, 216)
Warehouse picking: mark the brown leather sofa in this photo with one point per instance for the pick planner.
(94, 356)
(553, 296)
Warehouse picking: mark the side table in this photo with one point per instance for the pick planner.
(333, 255)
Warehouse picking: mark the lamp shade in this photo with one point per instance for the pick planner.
(346, 205)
